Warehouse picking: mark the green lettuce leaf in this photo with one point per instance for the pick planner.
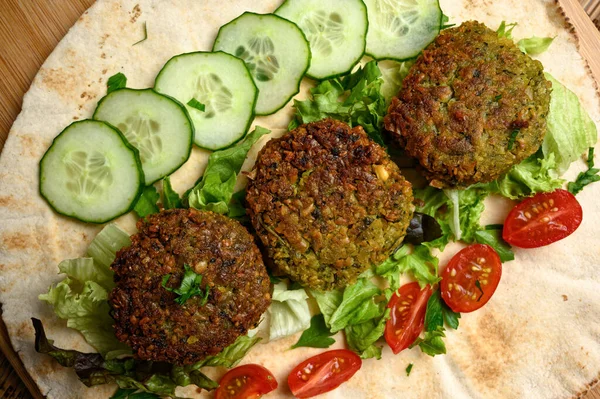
(534, 175)
(316, 336)
(328, 302)
(535, 45)
(362, 337)
(355, 99)
(230, 356)
(432, 344)
(105, 245)
(420, 264)
(393, 73)
(358, 305)
(570, 131)
(215, 189)
(289, 312)
(81, 297)
(146, 204)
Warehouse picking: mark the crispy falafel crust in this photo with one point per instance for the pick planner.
(146, 315)
(327, 203)
(464, 98)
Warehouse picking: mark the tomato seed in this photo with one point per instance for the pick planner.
(453, 272)
(528, 215)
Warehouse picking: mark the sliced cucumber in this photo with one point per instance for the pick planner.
(335, 29)
(157, 125)
(220, 82)
(275, 51)
(400, 29)
(91, 173)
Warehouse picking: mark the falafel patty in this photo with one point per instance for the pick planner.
(327, 203)
(146, 315)
(471, 107)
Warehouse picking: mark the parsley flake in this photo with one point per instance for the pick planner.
(196, 104)
(190, 286)
(145, 35)
(511, 140)
(478, 285)
(409, 369)
(117, 81)
(584, 178)
(317, 335)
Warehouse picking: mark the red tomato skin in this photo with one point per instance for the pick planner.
(259, 381)
(320, 377)
(411, 327)
(458, 290)
(542, 219)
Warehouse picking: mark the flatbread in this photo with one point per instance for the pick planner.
(537, 338)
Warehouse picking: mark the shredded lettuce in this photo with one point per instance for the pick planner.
(535, 45)
(360, 311)
(215, 189)
(289, 312)
(393, 73)
(355, 99)
(81, 298)
(171, 199)
(571, 131)
(584, 178)
(419, 263)
(362, 337)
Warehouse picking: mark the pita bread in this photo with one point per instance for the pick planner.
(537, 338)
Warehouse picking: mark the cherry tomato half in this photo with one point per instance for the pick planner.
(408, 306)
(323, 372)
(471, 277)
(249, 381)
(542, 219)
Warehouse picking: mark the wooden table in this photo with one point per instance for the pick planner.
(29, 31)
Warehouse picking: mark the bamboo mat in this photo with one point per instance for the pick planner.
(29, 31)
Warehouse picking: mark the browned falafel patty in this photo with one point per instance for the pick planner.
(327, 203)
(471, 107)
(146, 315)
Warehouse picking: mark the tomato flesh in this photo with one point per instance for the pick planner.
(250, 381)
(471, 278)
(542, 219)
(323, 372)
(407, 316)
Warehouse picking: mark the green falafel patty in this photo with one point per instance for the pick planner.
(471, 107)
(328, 203)
(148, 318)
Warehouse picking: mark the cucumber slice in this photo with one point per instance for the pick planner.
(400, 29)
(158, 126)
(335, 29)
(220, 82)
(91, 173)
(275, 51)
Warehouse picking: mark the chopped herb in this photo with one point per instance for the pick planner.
(146, 204)
(493, 238)
(505, 30)
(585, 178)
(131, 394)
(445, 24)
(190, 286)
(145, 35)
(196, 104)
(511, 140)
(434, 317)
(316, 336)
(171, 199)
(432, 344)
(409, 369)
(117, 81)
(494, 227)
(478, 285)
(450, 317)
(498, 97)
